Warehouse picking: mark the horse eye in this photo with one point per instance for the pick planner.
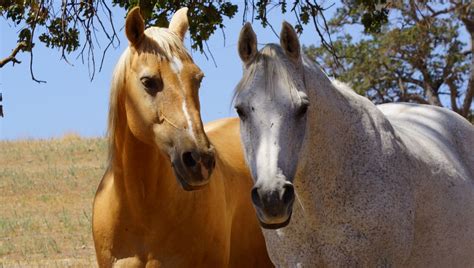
(240, 112)
(152, 85)
(302, 109)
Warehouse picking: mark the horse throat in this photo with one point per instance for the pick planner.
(143, 176)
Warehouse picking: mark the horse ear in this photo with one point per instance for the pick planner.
(179, 22)
(247, 43)
(134, 26)
(289, 41)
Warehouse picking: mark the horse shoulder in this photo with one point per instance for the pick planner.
(104, 208)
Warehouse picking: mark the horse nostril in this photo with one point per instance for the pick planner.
(208, 161)
(211, 163)
(188, 159)
(288, 194)
(256, 197)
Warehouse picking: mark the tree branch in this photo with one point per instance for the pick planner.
(33, 28)
(440, 12)
(12, 56)
(1, 106)
(406, 77)
(431, 89)
(406, 96)
(414, 97)
(411, 80)
(468, 20)
(453, 94)
(318, 10)
(466, 106)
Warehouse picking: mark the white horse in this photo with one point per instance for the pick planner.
(375, 186)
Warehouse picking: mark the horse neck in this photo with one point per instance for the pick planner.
(333, 110)
(143, 177)
(343, 130)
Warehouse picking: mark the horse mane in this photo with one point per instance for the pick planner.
(343, 86)
(160, 43)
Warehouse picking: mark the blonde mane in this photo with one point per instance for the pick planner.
(159, 42)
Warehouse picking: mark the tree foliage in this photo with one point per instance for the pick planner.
(80, 25)
(418, 55)
(414, 53)
(58, 25)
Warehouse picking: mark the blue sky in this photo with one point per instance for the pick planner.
(70, 102)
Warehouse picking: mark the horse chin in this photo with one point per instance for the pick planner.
(273, 226)
(185, 185)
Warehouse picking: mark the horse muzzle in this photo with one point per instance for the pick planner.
(193, 168)
(274, 207)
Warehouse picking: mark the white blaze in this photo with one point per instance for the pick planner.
(188, 119)
(267, 156)
(177, 66)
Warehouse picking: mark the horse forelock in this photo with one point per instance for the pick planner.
(160, 43)
(164, 43)
(275, 65)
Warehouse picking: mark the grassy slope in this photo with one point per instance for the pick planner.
(46, 193)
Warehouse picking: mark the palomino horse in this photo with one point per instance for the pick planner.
(375, 186)
(142, 216)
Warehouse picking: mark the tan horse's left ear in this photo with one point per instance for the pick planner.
(289, 41)
(134, 26)
(179, 22)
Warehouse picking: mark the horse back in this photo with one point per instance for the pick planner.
(434, 133)
(438, 143)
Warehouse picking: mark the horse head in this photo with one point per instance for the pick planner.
(272, 104)
(159, 95)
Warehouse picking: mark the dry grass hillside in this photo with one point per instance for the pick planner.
(46, 193)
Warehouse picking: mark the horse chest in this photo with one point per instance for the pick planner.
(180, 248)
(180, 242)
